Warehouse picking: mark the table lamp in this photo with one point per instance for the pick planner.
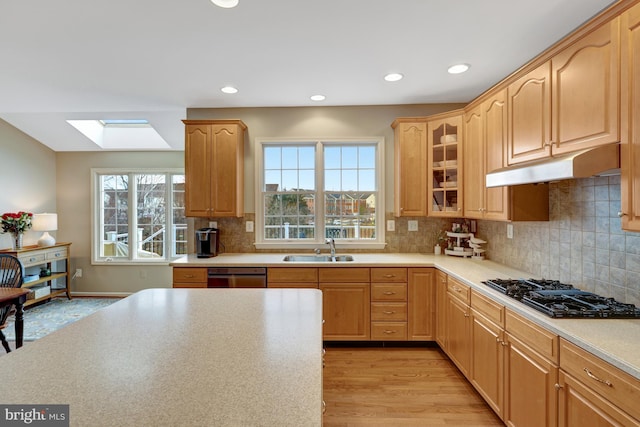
(45, 222)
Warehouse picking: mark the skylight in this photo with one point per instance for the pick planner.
(121, 134)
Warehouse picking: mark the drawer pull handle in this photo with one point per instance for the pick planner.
(189, 276)
(389, 293)
(389, 276)
(388, 332)
(389, 312)
(457, 289)
(606, 382)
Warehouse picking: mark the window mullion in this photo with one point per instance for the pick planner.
(319, 218)
(132, 241)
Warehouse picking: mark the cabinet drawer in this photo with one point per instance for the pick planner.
(606, 380)
(56, 254)
(488, 308)
(189, 275)
(32, 259)
(389, 311)
(389, 331)
(389, 292)
(292, 274)
(386, 275)
(458, 290)
(341, 274)
(541, 340)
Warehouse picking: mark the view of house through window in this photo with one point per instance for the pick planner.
(139, 216)
(312, 191)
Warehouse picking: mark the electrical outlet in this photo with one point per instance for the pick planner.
(249, 226)
(509, 231)
(391, 225)
(213, 224)
(413, 225)
(78, 272)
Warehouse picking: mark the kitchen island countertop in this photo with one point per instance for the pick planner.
(167, 357)
(616, 341)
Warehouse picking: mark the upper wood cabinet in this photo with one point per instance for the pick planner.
(529, 116)
(410, 164)
(630, 120)
(214, 168)
(445, 171)
(485, 130)
(585, 91)
(568, 103)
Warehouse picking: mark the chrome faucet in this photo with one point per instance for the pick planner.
(332, 245)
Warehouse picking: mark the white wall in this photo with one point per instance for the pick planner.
(27, 178)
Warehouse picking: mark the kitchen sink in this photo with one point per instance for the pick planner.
(317, 258)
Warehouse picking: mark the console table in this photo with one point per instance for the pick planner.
(54, 259)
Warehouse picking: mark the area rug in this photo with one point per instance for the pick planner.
(51, 316)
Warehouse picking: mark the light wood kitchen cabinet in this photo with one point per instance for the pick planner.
(389, 304)
(630, 120)
(529, 116)
(485, 149)
(488, 350)
(441, 309)
(531, 374)
(445, 171)
(189, 277)
(593, 392)
(421, 299)
(214, 168)
(292, 277)
(410, 166)
(585, 91)
(459, 324)
(569, 103)
(346, 303)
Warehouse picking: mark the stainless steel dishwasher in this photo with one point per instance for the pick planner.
(237, 277)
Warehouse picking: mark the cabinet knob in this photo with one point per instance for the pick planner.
(467, 315)
(557, 386)
(621, 214)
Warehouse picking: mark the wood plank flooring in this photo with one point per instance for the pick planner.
(395, 386)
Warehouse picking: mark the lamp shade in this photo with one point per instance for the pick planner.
(45, 222)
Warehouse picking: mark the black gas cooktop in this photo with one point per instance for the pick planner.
(557, 299)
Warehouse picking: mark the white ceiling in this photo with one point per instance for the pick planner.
(80, 59)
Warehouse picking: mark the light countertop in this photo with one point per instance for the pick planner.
(616, 341)
(167, 357)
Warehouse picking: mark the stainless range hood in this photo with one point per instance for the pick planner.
(603, 160)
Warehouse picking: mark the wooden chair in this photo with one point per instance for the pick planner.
(10, 277)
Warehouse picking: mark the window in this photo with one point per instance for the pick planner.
(138, 216)
(313, 190)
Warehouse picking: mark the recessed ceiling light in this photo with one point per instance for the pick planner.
(458, 68)
(318, 97)
(229, 89)
(393, 77)
(227, 4)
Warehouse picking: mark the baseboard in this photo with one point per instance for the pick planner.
(101, 294)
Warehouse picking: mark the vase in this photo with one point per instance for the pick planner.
(17, 240)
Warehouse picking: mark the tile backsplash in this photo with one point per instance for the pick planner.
(582, 243)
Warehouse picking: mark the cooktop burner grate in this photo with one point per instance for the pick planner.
(557, 299)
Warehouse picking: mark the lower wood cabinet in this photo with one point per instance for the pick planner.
(441, 309)
(421, 294)
(189, 277)
(346, 303)
(458, 324)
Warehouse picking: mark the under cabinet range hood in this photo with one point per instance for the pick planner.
(603, 160)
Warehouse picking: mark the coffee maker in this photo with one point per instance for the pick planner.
(207, 243)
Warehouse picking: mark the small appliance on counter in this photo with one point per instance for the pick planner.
(207, 242)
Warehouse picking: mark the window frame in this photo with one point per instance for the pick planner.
(96, 212)
(319, 143)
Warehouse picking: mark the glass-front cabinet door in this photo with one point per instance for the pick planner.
(445, 165)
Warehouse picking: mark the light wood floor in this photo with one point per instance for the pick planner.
(399, 387)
